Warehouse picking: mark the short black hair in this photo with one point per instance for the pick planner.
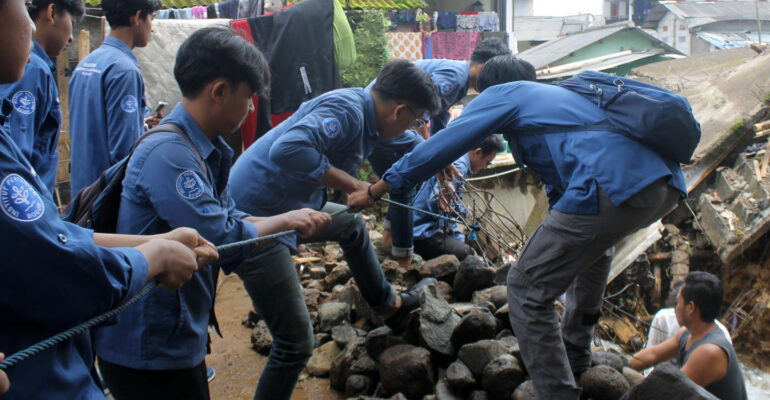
(705, 290)
(487, 49)
(119, 12)
(403, 82)
(74, 7)
(492, 143)
(218, 52)
(503, 69)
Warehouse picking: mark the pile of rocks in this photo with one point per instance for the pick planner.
(459, 346)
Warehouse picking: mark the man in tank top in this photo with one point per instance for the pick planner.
(703, 351)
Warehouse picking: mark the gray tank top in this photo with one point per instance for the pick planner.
(731, 386)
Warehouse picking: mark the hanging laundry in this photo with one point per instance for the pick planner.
(199, 12)
(468, 22)
(405, 46)
(213, 11)
(426, 53)
(454, 45)
(447, 20)
(488, 21)
(228, 9)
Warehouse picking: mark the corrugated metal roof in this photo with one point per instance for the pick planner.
(732, 40)
(606, 63)
(702, 13)
(549, 28)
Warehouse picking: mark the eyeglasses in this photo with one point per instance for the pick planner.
(418, 122)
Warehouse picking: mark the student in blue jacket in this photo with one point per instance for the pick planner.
(290, 167)
(601, 187)
(37, 116)
(452, 79)
(106, 94)
(434, 237)
(157, 347)
(54, 275)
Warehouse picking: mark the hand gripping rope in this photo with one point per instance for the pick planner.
(99, 319)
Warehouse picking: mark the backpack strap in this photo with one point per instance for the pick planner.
(175, 129)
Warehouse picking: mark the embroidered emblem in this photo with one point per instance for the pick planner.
(332, 127)
(19, 200)
(189, 185)
(129, 104)
(24, 102)
(446, 87)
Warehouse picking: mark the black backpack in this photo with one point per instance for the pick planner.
(97, 205)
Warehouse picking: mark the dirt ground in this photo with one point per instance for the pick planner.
(237, 365)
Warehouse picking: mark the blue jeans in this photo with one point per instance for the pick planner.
(273, 285)
(398, 220)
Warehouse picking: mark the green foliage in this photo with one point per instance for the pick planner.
(738, 126)
(371, 48)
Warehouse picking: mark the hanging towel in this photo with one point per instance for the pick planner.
(404, 46)
(454, 45)
(489, 21)
(468, 23)
(447, 20)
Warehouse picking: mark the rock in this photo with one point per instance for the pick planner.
(462, 308)
(332, 314)
(312, 298)
(502, 315)
(261, 339)
(321, 338)
(339, 275)
(667, 382)
(525, 391)
(473, 275)
(314, 284)
(445, 290)
(501, 274)
(498, 295)
(358, 384)
(396, 274)
(377, 340)
(321, 361)
(477, 355)
(317, 272)
(353, 360)
(343, 334)
(513, 346)
(501, 376)
(460, 377)
(445, 392)
(487, 305)
(611, 360)
(476, 325)
(442, 267)
(251, 319)
(632, 376)
(604, 383)
(437, 322)
(479, 395)
(407, 369)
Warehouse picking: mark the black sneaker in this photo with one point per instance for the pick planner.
(410, 301)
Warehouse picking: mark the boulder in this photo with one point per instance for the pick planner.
(332, 314)
(321, 361)
(407, 369)
(357, 385)
(442, 267)
(251, 319)
(667, 382)
(437, 322)
(396, 274)
(502, 316)
(501, 274)
(604, 383)
(607, 358)
(502, 376)
(261, 339)
(444, 289)
(478, 395)
(633, 376)
(459, 377)
(473, 275)
(476, 325)
(379, 339)
(317, 272)
(513, 346)
(498, 295)
(477, 355)
(354, 360)
(339, 276)
(525, 391)
(321, 338)
(445, 392)
(343, 334)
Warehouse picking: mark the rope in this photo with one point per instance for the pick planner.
(475, 227)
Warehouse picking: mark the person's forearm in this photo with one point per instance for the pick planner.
(269, 225)
(153, 253)
(643, 359)
(338, 179)
(118, 240)
(379, 189)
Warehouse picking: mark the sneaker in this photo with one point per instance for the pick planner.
(410, 301)
(210, 373)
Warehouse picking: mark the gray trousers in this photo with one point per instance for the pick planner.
(567, 253)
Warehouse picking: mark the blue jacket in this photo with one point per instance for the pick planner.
(571, 164)
(282, 170)
(164, 182)
(53, 277)
(35, 121)
(426, 226)
(452, 79)
(106, 105)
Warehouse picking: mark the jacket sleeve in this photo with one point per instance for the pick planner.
(493, 111)
(26, 122)
(171, 179)
(449, 82)
(123, 105)
(302, 151)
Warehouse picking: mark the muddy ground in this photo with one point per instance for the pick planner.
(237, 365)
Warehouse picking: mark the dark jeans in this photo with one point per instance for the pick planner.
(271, 280)
(440, 244)
(399, 220)
(128, 383)
(567, 254)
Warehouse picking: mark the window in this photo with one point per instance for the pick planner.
(665, 28)
(682, 39)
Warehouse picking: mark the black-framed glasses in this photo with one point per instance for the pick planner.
(418, 121)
